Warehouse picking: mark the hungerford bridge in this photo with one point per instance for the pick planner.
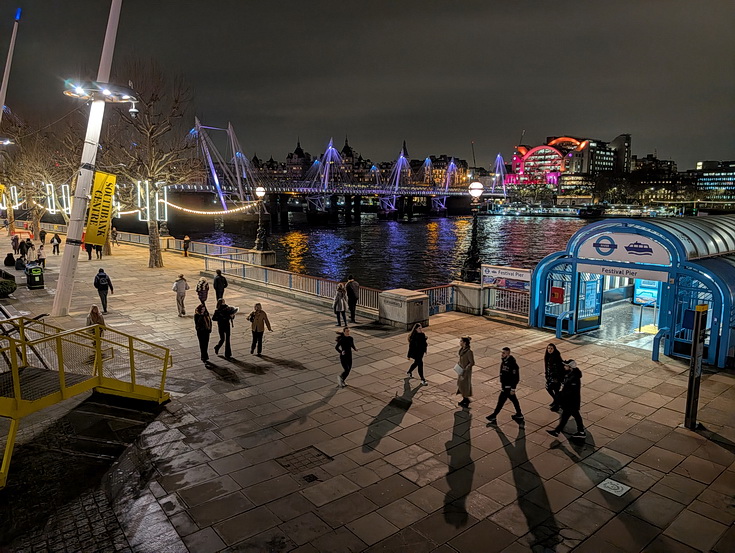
(234, 180)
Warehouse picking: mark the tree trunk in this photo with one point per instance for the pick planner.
(154, 245)
(107, 248)
(36, 215)
(11, 216)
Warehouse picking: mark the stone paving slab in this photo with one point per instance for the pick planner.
(402, 468)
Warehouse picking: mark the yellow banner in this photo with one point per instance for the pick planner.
(100, 209)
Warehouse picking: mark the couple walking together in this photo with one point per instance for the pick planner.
(224, 316)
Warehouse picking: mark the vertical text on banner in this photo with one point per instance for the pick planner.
(100, 208)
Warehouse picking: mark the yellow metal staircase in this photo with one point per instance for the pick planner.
(41, 365)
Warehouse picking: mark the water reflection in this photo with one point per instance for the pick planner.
(416, 254)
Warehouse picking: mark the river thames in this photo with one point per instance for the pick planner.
(416, 254)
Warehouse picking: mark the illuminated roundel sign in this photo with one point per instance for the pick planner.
(605, 245)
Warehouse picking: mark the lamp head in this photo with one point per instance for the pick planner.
(476, 189)
(260, 192)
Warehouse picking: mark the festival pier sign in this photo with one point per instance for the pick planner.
(100, 209)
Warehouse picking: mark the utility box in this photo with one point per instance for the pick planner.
(34, 277)
(403, 308)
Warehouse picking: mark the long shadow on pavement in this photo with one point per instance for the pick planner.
(461, 470)
(223, 373)
(389, 417)
(250, 367)
(540, 520)
(288, 363)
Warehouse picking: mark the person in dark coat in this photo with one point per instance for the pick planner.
(219, 284)
(89, 248)
(570, 400)
(42, 236)
(353, 295)
(186, 244)
(417, 345)
(55, 243)
(15, 243)
(103, 284)
(223, 317)
(203, 326)
(464, 380)
(510, 376)
(345, 345)
(22, 248)
(554, 373)
(9, 260)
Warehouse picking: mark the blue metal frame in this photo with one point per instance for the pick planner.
(722, 299)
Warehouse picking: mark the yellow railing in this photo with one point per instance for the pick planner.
(41, 365)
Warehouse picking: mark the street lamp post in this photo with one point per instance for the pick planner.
(261, 240)
(471, 266)
(65, 285)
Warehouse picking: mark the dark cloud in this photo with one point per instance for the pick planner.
(437, 74)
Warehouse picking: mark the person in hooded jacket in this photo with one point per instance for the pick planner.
(203, 326)
(570, 399)
(554, 373)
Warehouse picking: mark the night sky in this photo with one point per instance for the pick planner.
(437, 74)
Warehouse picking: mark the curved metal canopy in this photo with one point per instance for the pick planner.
(701, 236)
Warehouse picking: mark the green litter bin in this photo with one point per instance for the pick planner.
(34, 277)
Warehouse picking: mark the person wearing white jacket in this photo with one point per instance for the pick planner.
(180, 287)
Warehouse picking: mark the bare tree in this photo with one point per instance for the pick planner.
(38, 158)
(154, 146)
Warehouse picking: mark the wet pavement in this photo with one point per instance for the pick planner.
(266, 454)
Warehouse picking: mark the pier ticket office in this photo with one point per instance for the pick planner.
(671, 265)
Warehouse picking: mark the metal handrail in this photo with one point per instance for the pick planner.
(560, 319)
(661, 334)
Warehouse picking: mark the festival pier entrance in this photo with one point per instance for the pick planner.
(666, 267)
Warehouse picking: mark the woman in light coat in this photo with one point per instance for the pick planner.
(466, 361)
(340, 304)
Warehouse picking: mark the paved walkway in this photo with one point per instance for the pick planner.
(268, 455)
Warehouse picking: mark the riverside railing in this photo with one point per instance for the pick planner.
(314, 286)
(441, 298)
(517, 302)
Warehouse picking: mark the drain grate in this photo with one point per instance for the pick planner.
(303, 460)
(311, 478)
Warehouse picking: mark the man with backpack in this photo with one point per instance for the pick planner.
(570, 400)
(103, 284)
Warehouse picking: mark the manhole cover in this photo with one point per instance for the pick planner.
(615, 488)
(303, 460)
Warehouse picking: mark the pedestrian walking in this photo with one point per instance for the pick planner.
(42, 236)
(30, 250)
(203, 326)
(345, 345)
(180, 286)
(103, 284)
(219, 284)
(22, 248)
(55, 244)
(509, 378)
(89, 248)
(554, 374)
(570, 400)
(15, 244)
(98, 251)
(113, 236)
(258, 323)
(417, 345)
(464, 370)
(41, 256)
(186, 243)
(223, 316)
(202, 290)
(353, 294)
(340, 303)
(95, 317)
